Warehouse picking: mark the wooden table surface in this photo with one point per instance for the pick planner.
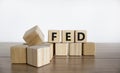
(106, 60)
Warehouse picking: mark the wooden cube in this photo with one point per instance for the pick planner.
(75, 49)
(18, 53)
(50, 45)
(38, 55)
(61, 49)
(80, 36)
(51, 51)
(89, 48)
(67, 36)
(53, 36)
(34, 36)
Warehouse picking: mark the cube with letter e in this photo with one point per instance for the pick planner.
(67, 36)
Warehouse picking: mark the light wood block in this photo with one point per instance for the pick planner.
(51, 51)
(53, 36)
(75, 49)
(67, 36)
(18, 53)
(38, 55)
(89, 48)
(80, 36)
(34, 36)
(61, 49)
(50, 45)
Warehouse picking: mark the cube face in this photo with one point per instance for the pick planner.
(75, 49)
(51, 51)
(38, 55)
(67, 36)
(61, 49)
(35, 57)
(29, 56)
(53, 36)
(88, 48)
(46, 55)
(18, 54)
(80, 36)
(50, 45)
(34, 36)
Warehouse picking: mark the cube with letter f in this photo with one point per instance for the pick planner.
(53, 36)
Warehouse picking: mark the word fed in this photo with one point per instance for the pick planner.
(67, 36)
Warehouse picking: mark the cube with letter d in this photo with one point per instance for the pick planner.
(80, 36)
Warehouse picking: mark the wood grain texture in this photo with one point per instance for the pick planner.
(50, 45)
(75, 49)
(106, 60)
(51, 51)
(71, 35)
(81, 36)
(89, 48)
(38, 55)
(61, 49)
(57, 36)
(34, 36)
(18, 53)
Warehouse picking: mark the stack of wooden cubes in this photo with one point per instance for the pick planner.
(38, 53)
(71, 42)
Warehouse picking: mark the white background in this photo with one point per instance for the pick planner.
(101, 18)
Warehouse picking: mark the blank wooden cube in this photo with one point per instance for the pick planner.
(18, 53)
(89, 48)
(80, 36)
(38, 55)
(50, 45)
(61, 49)
(35, 57)
(75, 49)
(34, 36)
(47, 55)
(53, 36)
(51, 51)
(67, 36)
